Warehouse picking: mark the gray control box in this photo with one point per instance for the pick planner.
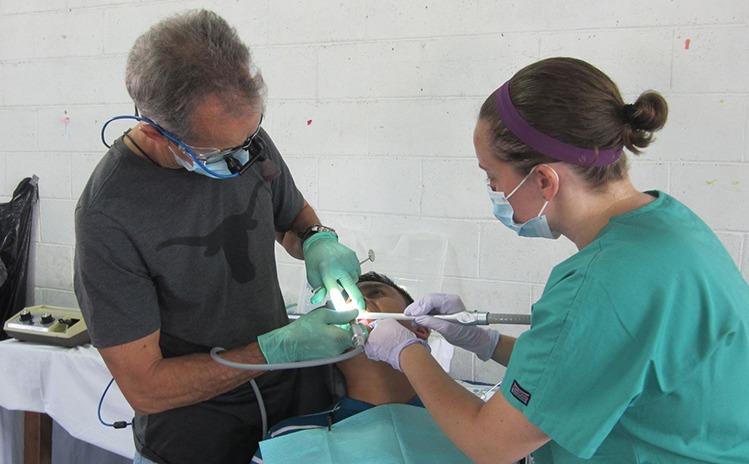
(51, 325)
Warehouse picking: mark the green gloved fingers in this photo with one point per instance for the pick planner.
(319, 295)
(353, 292)
(329, 263)
(312, 336)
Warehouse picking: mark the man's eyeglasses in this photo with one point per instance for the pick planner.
(254, 145)
(211, 155)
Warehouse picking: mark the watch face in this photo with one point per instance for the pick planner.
(315, 229)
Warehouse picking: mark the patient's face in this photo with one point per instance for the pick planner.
(381, 298)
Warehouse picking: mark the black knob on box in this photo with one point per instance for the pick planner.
(25, 315)
(47, 318)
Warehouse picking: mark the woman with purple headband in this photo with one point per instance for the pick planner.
(638, 350)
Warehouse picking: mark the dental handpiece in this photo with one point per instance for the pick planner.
(463, 317)
(357, 334)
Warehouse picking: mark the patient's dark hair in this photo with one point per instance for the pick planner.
(372, 276)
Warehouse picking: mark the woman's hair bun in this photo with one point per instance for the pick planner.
(646, 115)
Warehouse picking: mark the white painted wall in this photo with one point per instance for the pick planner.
(373, 104)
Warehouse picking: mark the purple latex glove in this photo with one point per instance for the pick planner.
(469, 337)
(387, 340)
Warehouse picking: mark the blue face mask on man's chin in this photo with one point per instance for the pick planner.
(217, 167)
(534, 227)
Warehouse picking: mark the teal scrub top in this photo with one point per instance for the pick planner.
(638, 350)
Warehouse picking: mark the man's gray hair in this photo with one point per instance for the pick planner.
(182, 60)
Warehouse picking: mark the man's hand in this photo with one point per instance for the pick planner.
(312, 336)
(329, 263)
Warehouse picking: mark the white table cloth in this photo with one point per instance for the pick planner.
(66, 384)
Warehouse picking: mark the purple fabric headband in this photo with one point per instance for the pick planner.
(546, 144)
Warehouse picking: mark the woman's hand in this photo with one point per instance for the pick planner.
(475, 339)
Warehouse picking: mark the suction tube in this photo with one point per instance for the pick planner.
(357, 338)
(463, 317)
(498, 318)
(290, 365)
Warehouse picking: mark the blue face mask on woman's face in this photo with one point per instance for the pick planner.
(503, 211)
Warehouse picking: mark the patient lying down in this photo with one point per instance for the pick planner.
(369, 383)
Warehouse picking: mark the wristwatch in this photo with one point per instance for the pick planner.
(313, 229)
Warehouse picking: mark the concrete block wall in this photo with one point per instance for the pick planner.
(373, 104)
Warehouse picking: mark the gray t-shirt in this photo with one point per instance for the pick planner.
(194, 257)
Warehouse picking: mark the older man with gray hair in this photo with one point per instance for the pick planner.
(175, 250)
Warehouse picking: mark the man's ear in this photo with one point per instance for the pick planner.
(421, 332)
(153, 134)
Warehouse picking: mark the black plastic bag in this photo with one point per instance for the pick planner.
(15, 238)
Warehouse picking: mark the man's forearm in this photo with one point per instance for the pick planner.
(180, 381)
(290, 239)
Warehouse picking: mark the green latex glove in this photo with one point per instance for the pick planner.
(329, 263)
(312, 336)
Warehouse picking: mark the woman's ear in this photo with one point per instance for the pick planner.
(548, 178)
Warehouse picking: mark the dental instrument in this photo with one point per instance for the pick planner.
(463, 317)
(370, 257)
(357, 334)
